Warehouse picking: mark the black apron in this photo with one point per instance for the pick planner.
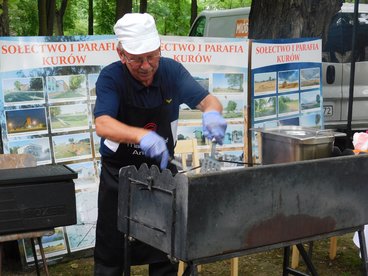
(109, 241)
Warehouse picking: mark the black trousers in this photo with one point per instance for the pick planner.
(109, 247)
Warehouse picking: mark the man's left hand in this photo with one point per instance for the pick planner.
(214, 126)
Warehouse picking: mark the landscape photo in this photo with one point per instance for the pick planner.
(66, 88)
(69, 117)
(227, 83)
(23, 91)
(288, 80)
(264, 108)
(26, 121)
(38, 147)
(72, 147)
(265, 83)
(310, 100)
(310, 78)
(288, 103)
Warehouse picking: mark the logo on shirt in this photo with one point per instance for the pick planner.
(151, 126)
(168, 101)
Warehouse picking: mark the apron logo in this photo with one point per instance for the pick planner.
(151, 126)
(138, 152)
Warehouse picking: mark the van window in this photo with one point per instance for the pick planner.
(198, 28)
(339, 40)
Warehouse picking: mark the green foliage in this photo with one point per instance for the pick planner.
(222, 4)
(17, 85)
(75, 81)
(235, 81)
(172, 16)
(23, 17)
(231, 106)
(36, 84)
(75, 18)
(104, 12)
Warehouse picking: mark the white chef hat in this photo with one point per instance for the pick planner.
(137, 33)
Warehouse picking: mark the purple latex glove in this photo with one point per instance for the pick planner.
(214, 126)
(154, 146)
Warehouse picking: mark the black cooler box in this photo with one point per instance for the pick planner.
(36, 198)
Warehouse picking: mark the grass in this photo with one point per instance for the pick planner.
(269, 263)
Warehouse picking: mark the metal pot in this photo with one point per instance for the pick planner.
(294, 143)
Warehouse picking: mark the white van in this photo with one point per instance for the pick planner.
(336, 59)
(221, 23)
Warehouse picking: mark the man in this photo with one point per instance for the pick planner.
(136, 111)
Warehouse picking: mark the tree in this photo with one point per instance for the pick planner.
(18, 85)
(75, 82)
(90, 17)
(60, 17)
(105, 14)
(50, 16)
(231, 106)
(42, 17)
(123, 7)
(317, 120)
(55, 111)
(36, 84)
(291, 19)
(143, 6)
(193, 11)
(4, 18)
(235, 81)
(23, 18)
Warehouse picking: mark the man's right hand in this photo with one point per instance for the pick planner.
(154, 146)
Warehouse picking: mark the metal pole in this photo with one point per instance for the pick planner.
(349, 136)
(1, 143)
(363, 249)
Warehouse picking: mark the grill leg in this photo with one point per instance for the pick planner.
(285, 265)
(127, 263)
(363, 250)
(190, 270)
(288, 270)
(310, 251)
(307, 260)
(1, 257)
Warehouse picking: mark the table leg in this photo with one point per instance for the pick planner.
(35, 256)
(43, 256)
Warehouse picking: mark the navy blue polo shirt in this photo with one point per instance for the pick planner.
(110, 88)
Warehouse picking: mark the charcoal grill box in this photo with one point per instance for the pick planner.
(254, 209)
(36, 198)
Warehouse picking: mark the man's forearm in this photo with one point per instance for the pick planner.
(210, 103)
(114, 130)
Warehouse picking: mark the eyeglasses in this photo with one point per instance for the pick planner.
(138, 61)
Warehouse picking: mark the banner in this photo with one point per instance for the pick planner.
(286, 84)
(47, 97)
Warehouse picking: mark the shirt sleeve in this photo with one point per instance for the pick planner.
(107, 92)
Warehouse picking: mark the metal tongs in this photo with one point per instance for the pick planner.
(210, 163)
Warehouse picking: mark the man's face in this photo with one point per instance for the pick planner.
(142, 67)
